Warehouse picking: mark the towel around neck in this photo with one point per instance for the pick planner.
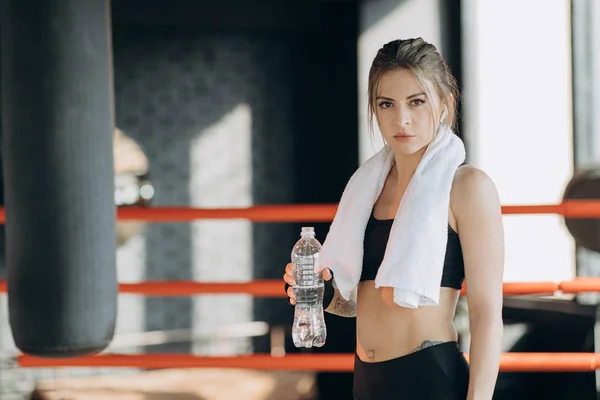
(414, 256)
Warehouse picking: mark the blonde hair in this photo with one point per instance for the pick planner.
(426, 63)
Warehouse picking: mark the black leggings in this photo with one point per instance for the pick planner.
(439, 372)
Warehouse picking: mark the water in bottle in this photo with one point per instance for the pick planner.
(308, 329)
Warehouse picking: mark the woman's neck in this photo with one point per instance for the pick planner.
(405, 166)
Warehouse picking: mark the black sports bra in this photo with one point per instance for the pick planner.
(375, 242)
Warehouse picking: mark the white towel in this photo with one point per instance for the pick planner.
(415, 252)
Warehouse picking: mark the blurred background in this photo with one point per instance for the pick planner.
(233, 104)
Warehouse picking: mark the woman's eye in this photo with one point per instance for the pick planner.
(385, 104)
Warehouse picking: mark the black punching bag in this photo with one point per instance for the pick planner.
(57, 127)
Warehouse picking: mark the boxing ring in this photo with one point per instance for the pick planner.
(510, 362)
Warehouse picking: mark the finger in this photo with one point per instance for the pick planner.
(290, 293)
(290, 273)
(288, 279)
(326, 274)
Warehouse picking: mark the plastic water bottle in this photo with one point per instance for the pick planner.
(309, 328)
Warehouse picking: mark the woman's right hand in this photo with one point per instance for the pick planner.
(288, 277)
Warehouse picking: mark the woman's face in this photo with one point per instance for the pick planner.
(402, 112)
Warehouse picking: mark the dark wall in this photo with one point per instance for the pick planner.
(178, 72)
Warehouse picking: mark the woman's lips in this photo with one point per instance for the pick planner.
(403, 137)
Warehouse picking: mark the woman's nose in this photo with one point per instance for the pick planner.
(402, 117)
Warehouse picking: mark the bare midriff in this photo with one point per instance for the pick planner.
(386, 331)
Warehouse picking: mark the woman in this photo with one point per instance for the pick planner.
(412, 353)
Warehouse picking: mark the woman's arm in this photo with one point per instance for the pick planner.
(476, 207)
(340, 306)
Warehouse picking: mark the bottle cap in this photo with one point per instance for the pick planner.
(308, 230)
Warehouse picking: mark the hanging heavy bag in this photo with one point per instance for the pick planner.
(57, 120)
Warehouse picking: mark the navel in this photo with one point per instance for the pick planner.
(371, 354)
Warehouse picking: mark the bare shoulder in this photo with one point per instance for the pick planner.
(472, 190)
